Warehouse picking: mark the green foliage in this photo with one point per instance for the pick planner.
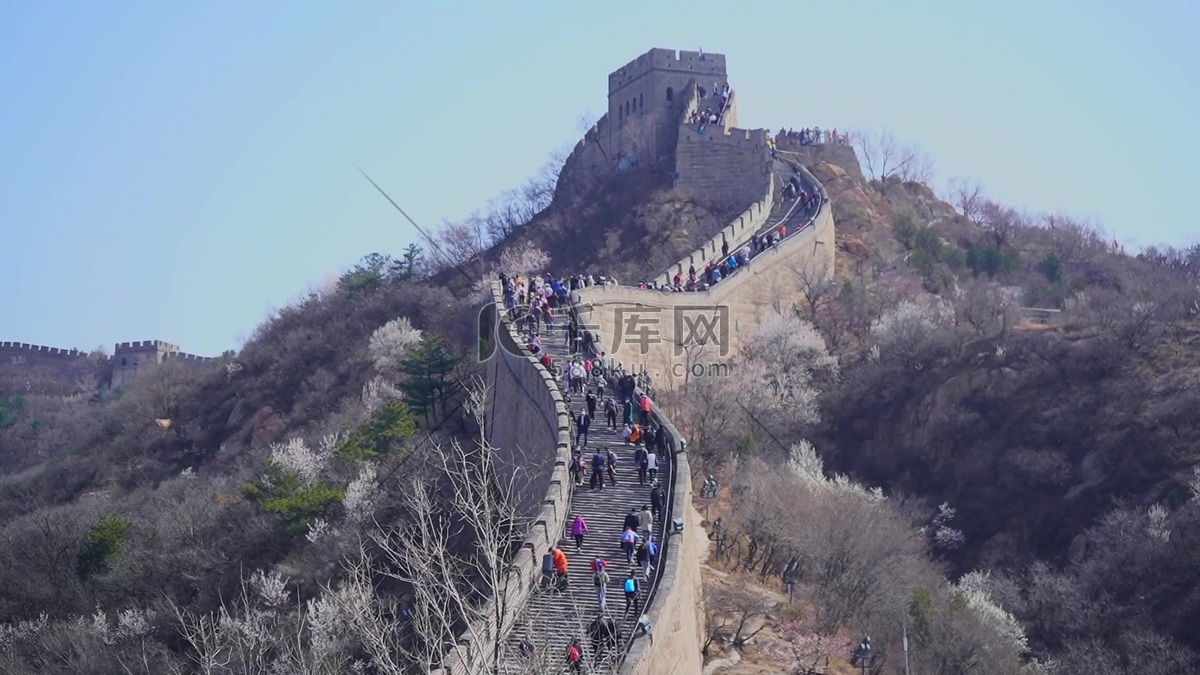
(104, 540)
(990, 260)
(382, 434)
(920, 610)
(411, 265)
(927, 251)
(427, 374)
(1051, 268)
(366, 276)
(289, 495)
(905, 229)
(9, 407)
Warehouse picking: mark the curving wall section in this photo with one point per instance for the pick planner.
(528, 421)
(743, 297)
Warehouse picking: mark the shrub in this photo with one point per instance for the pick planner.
(287, 493)
(388, 428)
(104, 540)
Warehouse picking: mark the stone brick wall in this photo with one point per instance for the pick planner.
(529, 423)
(729, 166)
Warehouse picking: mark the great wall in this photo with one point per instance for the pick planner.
(118, 369)
(530, 418)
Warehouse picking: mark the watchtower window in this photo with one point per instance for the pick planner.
(670, 94)
(124, 362)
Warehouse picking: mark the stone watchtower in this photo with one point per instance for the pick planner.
(128, 356)
(645, 101)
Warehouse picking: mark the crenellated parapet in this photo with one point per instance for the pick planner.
(10, 350)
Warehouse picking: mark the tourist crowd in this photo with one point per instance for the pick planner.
(808, 203)
(814, 136)
(709, 115)
(590, 387)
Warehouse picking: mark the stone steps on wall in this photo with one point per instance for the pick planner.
(551, 618)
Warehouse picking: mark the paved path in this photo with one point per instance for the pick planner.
(552, 618)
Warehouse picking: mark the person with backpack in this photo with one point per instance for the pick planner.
(640, 458)
(548, 569)
(561, 568)
(612, 467)
(579, 530)
(610, 412)
(628, 542)
(598, 462)
(635, 434)
(658, 501)
(631, 592)
(576, 469)
(643, 557)
(600, 581)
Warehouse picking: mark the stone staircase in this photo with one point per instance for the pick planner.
(552, 618)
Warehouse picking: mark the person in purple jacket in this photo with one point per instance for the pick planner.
(579, 529)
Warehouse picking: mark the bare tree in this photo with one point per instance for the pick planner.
(966, 194)
(734, 615)
(887, 158)
(1072, 239)
(815, 280)
(471, 499)
(1000, 223)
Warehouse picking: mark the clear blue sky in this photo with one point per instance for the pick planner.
(171, 170)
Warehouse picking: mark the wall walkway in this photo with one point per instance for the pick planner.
(737, 302)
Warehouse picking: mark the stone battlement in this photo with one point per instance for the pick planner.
(749, 138)
(145, 345)
(695, 64)
(40, 351)
(182, 356)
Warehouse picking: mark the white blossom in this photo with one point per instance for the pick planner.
(376, 392)
(1159, 527)
(807, 465)
(271, 587)
(524, 259)
(391, 342)
(318, 529)
(333, 617)
(297, 457)
(974, 590)
(361, 495)
(24, 632)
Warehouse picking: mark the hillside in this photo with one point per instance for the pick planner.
(1062, 453)
(1057, 446)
